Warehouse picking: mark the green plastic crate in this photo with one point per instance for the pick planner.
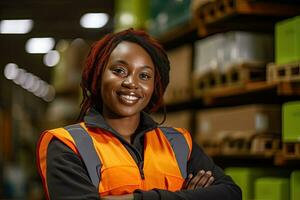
(287, 41)
(290, 121)
(245, 177)
(272, 188)
(295, 185)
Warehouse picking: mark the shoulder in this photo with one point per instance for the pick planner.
(175, 130)
(60, 134)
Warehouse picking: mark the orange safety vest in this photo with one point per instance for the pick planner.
(120, 174)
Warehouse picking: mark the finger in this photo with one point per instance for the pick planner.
(193, 183)
(187, 181)
(210, 181)
(204, 179)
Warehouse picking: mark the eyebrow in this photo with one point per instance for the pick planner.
(125, 63)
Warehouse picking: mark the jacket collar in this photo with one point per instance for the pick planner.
(94, 119)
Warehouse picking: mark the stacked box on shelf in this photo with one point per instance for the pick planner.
(180, 86)
(295, 185)
(272, 188)
(290, 121)
(167, 15)
(247, 47)
(214, 127)
(209, 54)
(180, 119)
(222, 51)
(232, 58)
(131, 14)
(287, 41)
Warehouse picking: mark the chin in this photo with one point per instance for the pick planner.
(128, 111)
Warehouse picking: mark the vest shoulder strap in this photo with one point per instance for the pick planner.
(84, 144)
(180, 147)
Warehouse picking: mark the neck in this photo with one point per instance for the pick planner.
(125, 126)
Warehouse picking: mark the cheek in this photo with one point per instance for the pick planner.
(148, 89)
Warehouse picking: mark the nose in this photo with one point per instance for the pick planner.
(130, 82)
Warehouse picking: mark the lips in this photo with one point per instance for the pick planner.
(128, 98)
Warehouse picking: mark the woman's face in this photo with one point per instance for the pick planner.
(127, 81)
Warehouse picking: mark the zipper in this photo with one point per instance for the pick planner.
(141, 164)
(139, 160)
(137, 156)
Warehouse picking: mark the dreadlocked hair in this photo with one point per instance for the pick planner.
(97, 60)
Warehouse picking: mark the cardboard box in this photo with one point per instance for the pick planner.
(248, 118)
(290, 121)
(180, 86)
(179, 119)
(272, 188)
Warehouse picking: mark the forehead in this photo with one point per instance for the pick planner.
(126, 49)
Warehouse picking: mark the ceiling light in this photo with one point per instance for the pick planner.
(21, 26)
(51, 58)
(20, 79)
(11, 71)
(94, 20)
(39, 45)
(127, 19)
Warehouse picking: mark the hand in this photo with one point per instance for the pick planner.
(202, 179)
(119, 197)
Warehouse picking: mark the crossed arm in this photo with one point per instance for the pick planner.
(67, 179)
(201, 180)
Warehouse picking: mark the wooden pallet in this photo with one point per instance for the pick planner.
(283, 72)
(291, 150)
(211, 149)
(252, 144)
(236, 76)
(237, 143)
(217, 10)
(210, 143)
(266, 144)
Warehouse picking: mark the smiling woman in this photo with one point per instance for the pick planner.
(127, 85)
(117, 151)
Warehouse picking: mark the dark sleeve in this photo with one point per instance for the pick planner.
(223, 187)
(67, 177)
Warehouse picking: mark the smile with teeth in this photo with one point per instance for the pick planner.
(129, 98)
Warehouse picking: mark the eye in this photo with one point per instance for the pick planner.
(119, 71)
(145, 76)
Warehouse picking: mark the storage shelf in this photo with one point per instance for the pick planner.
(267, 90)
(250, 93)
(276, 160)
(220, 16)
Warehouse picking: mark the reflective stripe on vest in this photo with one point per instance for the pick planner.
(84, 144)
(93, 164)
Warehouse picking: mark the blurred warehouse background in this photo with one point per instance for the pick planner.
(235, 81)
